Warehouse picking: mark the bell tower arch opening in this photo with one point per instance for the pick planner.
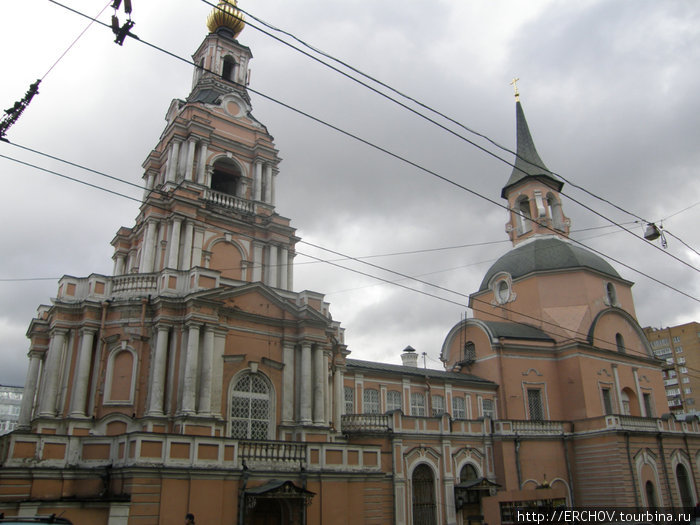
(226, 177)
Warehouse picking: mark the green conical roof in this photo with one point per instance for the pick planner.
(528, 162)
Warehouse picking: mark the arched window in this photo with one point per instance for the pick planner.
(417, 404)
(469, 351)
(349, 394)
(468, 473)
(625, 402)
(251, 408)
(120, 383)
(423, 496)
(370, 401)
(393, 400)
(684, 486)
(555, 213)
(610, 294)
(226, 177)
(651, 495)
(524, 215)
(620, 342)
(229, 69)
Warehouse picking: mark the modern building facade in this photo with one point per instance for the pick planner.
(195, 379)
(679, 347)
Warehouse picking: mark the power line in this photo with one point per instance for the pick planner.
(404, 106)
(394, 155)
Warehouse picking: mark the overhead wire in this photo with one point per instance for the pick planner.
(450, 119)
(354, 270)
(391, 154)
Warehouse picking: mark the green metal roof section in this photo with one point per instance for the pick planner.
(528, 162)
(547, 254)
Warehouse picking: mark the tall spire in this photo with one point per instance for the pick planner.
(528, 162)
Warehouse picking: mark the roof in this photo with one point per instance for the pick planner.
(546, 254)
(414, 371)
(528, 162)
(516, 331)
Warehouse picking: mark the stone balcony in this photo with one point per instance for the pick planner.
(530, 428)
(229, 202)
(140, 449)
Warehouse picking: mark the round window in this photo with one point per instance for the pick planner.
(502, 291)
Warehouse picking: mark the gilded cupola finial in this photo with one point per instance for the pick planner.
(225, 15)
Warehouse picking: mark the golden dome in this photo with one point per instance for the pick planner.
(226, 15)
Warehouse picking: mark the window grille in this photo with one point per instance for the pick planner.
(417, 404)
(250, 408)
(458, 408)
(393, 400)
(487, 408)
(438, 405)
(370, 401)
(534, 401)
(349, 400)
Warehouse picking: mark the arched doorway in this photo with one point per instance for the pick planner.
(424, 505)
(226, 177)
(652, 503)
(684, 488)
(471, 506)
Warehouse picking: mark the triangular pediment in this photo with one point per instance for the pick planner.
(259, 299)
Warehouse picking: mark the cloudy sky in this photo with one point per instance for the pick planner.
(610, 90)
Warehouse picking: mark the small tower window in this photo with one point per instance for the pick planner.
(524, 215)
(555, 213)
(229, 69)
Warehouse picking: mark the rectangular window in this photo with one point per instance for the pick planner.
(687, 390)
(393, 400)
(648, 406)
(683, 369)
(370, 401)
(349, 400)
(438, 405)
(607, 401)
(487, 408)
(679, 349)
(676, 339)
(417, 404)
(534, 404)
(458, 408)
(686, 380)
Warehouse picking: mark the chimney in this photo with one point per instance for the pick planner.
(409, 357)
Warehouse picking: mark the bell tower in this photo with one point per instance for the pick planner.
(532, 190)
(209, 202)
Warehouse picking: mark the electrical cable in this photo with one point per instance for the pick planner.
(445, 128)
(405, 160)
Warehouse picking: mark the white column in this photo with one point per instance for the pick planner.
(174, 252)
(273, 182)
(268, 183)
(189, 166)
(49, 395)
(190, 380)
(173, 156)
(181, 163)
(25, 413)
(148, 179)
(257, 262)
(319, 379)
(202, 162)
(617, 388)
(288, 383)
(197, 244)
(272, 268)
(206, 372)
(257, 180)
(157, 387)
(640, 395)
(80, 383)
(217, 372)
(187, 247)
(305, 401)
(290, 271)
(283, 270)
(338, 398)
(119, 263)
(148, 250)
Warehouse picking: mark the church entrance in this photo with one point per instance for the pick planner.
(275, 503)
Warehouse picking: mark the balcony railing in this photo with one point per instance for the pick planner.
(365, 423)
(271, 451)
(141, 283)
(230, 202)
(523, 427)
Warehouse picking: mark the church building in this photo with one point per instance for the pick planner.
(196, 379)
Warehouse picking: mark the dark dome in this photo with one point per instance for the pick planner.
(544, 254)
